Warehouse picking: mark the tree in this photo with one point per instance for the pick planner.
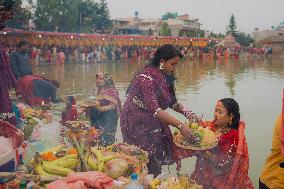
(232, 26)
(21, 16)
(165, 30)
(150, 32)
(104, 23)
(201, 33)
(57, 15)
(243, 39)
(88, 16)
(67, 15)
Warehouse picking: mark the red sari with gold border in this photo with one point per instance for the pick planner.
(225, 166)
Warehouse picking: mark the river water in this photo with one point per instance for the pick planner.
(256, 84)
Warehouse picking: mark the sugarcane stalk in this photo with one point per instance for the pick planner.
(27, 177)
(81, 154)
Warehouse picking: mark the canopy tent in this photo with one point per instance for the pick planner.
(39, 38)
(228, 42)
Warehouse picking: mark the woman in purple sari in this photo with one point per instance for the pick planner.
(144, 121)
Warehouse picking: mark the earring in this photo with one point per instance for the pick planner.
(161, 66)
(231, 120)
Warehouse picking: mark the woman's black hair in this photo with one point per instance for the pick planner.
(232, 107)
(108, 79)
(165, 52)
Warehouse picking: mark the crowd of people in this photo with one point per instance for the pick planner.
(145, 123)
(56, 55)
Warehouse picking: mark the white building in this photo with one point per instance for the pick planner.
(180, 26)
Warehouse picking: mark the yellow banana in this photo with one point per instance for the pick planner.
(41, 172)
(99, 157)
(67, 157)
(92, 164)
(53, 149)
(53, 169)
(68, 163)
(108, 158)
(98, 154)
(154, 184)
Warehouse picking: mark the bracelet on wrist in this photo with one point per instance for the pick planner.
(156, 112)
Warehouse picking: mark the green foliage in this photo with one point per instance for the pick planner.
(232, 29)
(201, 33)
(72, 15)
(21, 16)
(150, 32)
(165, 30)
(182, 33)
(104, 23)
(243, 39)
(169, 15)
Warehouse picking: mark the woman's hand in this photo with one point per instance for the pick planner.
(187, 133)
(102, 108)
(81, 110)
(190, 115)
(96, 104)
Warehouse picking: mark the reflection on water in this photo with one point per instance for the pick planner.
(255, 83)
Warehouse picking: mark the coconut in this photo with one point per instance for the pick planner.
(116, 168)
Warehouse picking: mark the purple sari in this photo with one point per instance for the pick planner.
(148, 91)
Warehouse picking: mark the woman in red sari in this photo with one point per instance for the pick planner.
(225, 166)
(35, 90)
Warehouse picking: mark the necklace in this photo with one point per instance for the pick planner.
(224, 130)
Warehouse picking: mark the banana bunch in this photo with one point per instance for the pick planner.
(98, 163)
(59, 167)
(55, 170)
(53, 149)
(154, 184)
(31, 112)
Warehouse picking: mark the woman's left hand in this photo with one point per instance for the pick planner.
(190, 115)
(187, 133)
(102, 109)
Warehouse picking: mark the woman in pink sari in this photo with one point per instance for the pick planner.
(225, 166)
(104, 115)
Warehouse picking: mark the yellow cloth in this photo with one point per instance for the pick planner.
(273, 175)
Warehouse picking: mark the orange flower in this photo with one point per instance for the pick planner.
(48, 156)
(72, 151)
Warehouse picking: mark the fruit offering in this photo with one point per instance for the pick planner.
(181, 182)
(205, 138)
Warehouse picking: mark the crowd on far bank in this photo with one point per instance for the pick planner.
(58, 55)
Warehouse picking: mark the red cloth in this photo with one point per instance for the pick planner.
(70, 113)
(282, 129)
(9, 131)
(228, 167)
(25, 88)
